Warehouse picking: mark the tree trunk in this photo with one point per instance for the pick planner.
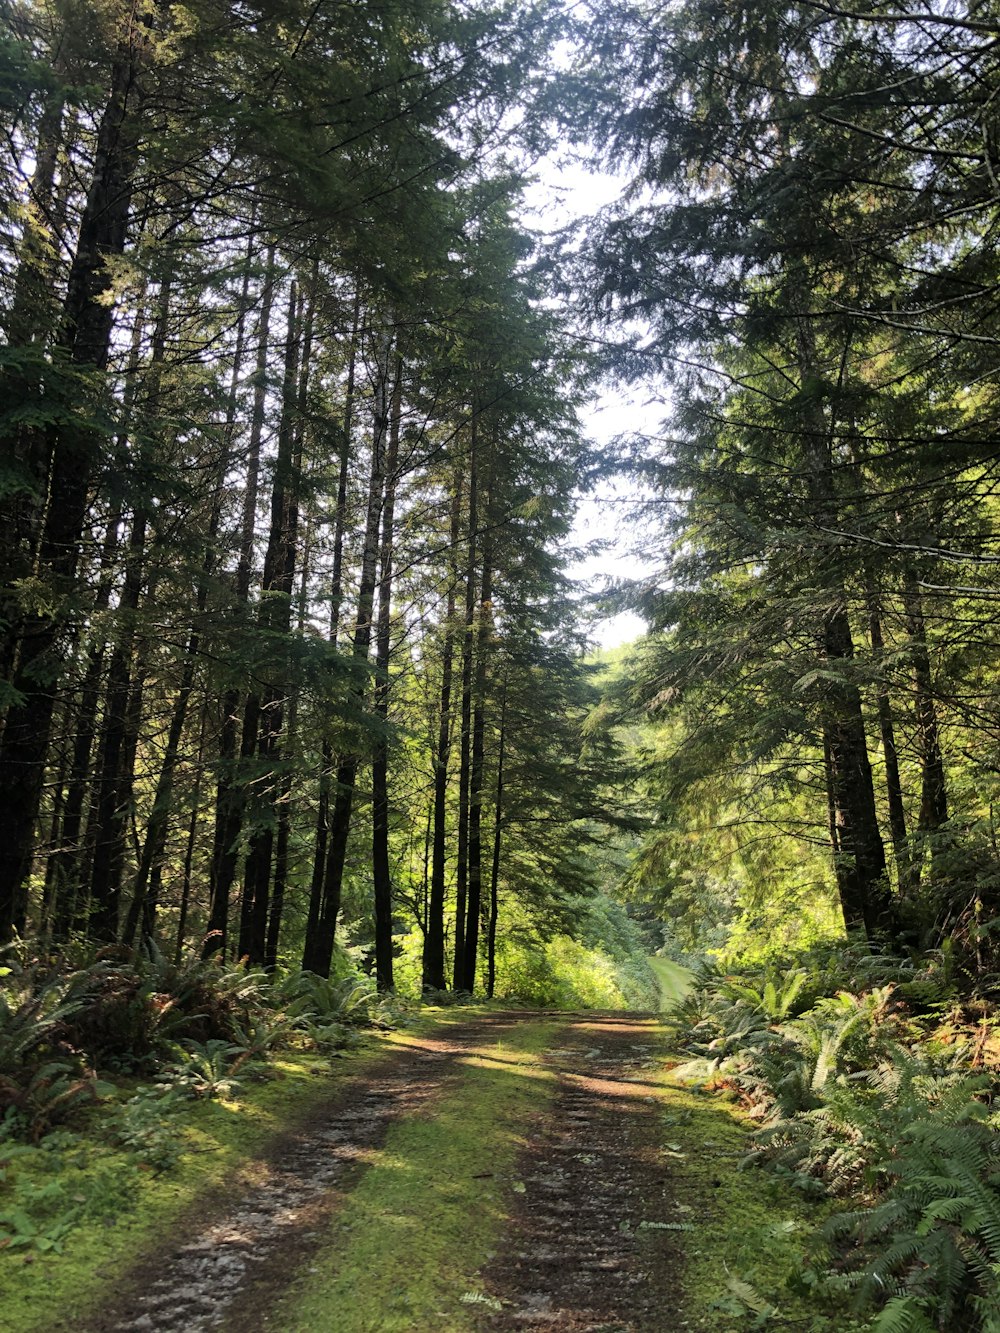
(318, 949)
(433, 958)
(462, 853)
(933, 787)
(491, 928)
(859, 854)
(233, 748)
(381, 875)
(336, 597)
(474, 906)
(890, 755)
(275, 621)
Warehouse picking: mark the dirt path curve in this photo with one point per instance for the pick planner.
(240, 1250)
(593, 1243)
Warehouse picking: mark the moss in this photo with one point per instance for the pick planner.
(405, 1249)
(100, 1209)
(747, 1249)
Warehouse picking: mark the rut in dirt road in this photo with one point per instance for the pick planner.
(231, 1263)
(592, 1243)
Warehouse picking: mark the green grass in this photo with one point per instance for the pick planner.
(673, 980)
(121, 1210)
(747, 1250)
(405, 1249)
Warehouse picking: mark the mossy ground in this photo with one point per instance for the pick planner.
(405, 1249)
(747, 1250)
(94, 1209)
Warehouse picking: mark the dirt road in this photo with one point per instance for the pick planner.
(571, 1225)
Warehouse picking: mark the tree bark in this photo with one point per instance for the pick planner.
(890, 754)
(336, 598)
(474, 906)
(275, 622)
(494, 912)
(433, 956)
(318, 950)
(465, 750)
(381, 874)
(235, 743)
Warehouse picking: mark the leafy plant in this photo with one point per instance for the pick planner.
(933, 1241)
(206, 1068)
(144, 1126)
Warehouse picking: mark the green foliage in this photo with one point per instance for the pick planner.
(206, 1068)
(858, 1096)
(195, 1021)
(604, 967)
(43, 1078)
(144, 1125)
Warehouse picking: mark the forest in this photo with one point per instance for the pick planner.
(303, 729)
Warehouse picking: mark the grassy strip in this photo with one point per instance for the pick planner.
(412, 1235)
(673, 980)
(118, 1208)
(748, 1232)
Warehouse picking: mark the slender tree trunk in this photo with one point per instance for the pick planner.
(890, 754)
(491, 928)
(336, 598)
(934, 787)
(465, 748)
(233, 748)
(191, 842)
(474, 906)
(318, 950)
(859, 854)
(381, 874)
(275, 619)
(433, 959)
(67, 861)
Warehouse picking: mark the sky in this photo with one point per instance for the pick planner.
(563, 193)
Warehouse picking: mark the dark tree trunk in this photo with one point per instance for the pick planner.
(233, 748)
(191, 843)
(381, 874)
(318, 950)
(275, 620)
(336, 598)
(433, 959)
(474, 906)
(465, 747)
(859, 854)
(68, 859)
(890, 754)
(494, 913)
(933, 786)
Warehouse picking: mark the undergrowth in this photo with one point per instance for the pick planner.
(99, 1057)
(872, 1083)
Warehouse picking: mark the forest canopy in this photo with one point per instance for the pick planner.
(292, 448)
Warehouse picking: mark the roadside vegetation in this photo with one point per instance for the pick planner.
(870, 1082)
